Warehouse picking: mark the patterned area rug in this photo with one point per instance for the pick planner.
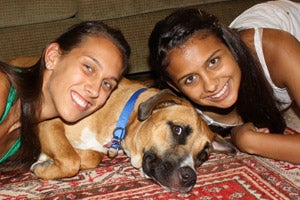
(221, 177)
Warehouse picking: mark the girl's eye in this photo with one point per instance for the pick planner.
(177, 129)
(89, 68)
(213, 62)
(107, 85)
(189, 80)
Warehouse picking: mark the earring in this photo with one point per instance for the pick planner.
(48, 65)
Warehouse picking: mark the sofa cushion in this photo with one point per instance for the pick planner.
(19, 12)
(30, 40)
(116, 9)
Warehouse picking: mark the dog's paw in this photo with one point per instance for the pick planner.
(41, 164)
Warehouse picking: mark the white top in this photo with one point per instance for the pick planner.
(281, 95)
(281, 14)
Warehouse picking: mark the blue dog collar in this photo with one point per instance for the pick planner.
(120, 130)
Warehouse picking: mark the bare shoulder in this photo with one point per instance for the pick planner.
(274, 37)
(281, 52)
(4, 90)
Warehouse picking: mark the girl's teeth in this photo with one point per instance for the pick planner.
(221, 92)
(79, 101)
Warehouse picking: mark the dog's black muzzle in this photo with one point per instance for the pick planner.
(168, 172)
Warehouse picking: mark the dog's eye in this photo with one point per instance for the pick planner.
(177, 129)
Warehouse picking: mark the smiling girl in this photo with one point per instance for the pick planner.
(73, 78)
(210, 64)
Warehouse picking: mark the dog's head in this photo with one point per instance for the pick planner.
(172, 140)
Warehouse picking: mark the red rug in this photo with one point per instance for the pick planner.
(221, 177)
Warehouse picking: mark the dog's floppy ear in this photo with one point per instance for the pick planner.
(163, 99)
(220, 145)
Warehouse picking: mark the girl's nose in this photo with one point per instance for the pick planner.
(210, 83)
(92, 90)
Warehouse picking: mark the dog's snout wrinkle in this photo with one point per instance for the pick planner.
(166, 166)
(148, 160)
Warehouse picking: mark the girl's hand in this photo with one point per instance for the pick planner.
(244, 136)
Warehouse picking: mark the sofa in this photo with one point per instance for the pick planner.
(26, 27)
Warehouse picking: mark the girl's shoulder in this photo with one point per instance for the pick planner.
(281, 53)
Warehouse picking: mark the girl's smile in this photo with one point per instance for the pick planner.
(220, 95)
(80, 101)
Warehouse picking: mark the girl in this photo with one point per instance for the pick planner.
(210, 64)
(74, 77)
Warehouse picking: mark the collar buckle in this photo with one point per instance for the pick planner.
(120, 131)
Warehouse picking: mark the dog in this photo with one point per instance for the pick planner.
(165, 138)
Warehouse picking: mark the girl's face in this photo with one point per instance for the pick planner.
(80, 82)
(205, 71)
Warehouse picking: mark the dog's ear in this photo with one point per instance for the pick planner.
(163, 99)
(220, 145)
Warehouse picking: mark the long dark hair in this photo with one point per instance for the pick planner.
(255, 101)
(28, 81)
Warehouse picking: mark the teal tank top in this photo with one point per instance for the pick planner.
(16, 146)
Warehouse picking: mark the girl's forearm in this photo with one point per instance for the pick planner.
(279, 147)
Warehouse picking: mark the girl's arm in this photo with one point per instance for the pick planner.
(259, 142)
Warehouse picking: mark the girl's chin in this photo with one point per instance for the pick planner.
(72, 117)
(218, 105)
(226, 103)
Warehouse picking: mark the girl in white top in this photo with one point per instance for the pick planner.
(209, 63)
(282, 15)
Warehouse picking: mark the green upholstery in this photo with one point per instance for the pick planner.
(26, 27)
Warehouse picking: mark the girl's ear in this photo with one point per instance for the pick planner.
(51, 55)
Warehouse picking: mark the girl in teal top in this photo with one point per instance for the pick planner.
(74, 77)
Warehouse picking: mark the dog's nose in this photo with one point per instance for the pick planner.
(188, 176)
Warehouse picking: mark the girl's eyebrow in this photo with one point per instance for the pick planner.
(96, 61)
(206, 61)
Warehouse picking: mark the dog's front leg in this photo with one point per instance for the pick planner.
(62, 161)
(89, 159)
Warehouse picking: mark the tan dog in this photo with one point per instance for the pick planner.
(165, 138)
